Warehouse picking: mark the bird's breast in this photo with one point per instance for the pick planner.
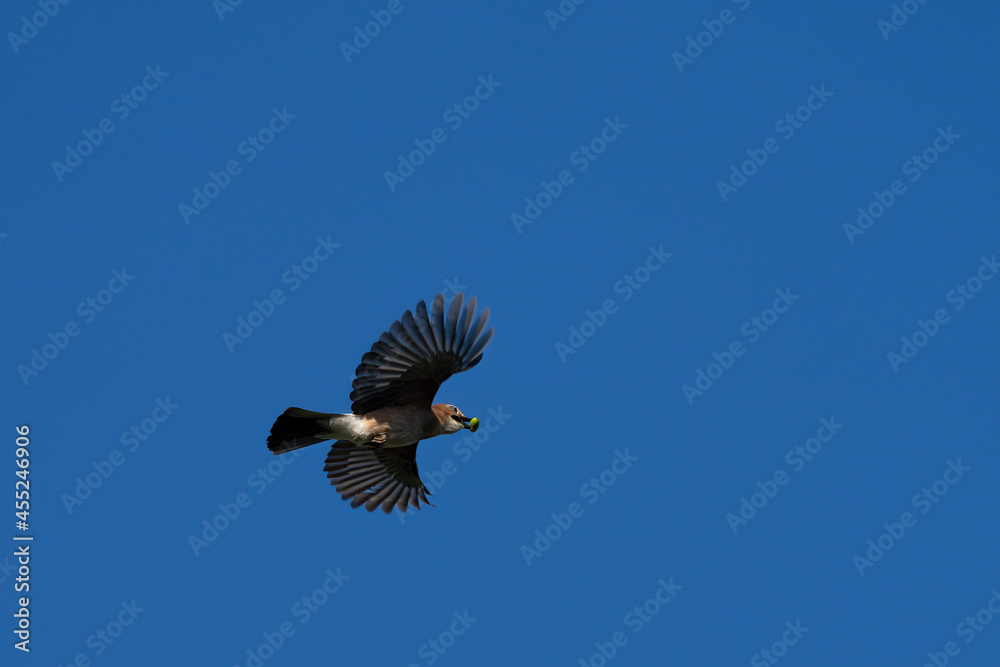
(401, 425)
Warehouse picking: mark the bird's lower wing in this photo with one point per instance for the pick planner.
(373, 477)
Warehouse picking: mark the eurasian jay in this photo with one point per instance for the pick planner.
(373, 461)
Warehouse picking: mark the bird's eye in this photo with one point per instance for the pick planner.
(454, 410)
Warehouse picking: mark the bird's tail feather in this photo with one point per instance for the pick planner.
(298, 428)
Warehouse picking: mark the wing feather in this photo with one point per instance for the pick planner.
(408, 363)
(437, 322)
(474, 332)
(376, 477)
(450, 324)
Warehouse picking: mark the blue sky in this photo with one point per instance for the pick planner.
(740, 407)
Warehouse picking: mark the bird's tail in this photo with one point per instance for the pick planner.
(297, 428)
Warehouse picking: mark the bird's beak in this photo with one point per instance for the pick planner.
(471, 424)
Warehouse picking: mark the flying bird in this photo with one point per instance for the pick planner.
(374, 459)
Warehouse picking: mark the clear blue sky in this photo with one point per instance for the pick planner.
(717, 374)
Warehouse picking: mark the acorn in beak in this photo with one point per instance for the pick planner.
(471, 424)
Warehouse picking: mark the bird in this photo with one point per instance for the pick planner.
(373, 461)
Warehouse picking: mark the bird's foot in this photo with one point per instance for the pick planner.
(377, 441)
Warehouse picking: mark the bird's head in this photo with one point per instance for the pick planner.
(452, 419)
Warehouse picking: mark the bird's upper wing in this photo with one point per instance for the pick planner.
(419, 352)
(373, 477)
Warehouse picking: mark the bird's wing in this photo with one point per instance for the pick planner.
(373, 477)
(419, 352)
